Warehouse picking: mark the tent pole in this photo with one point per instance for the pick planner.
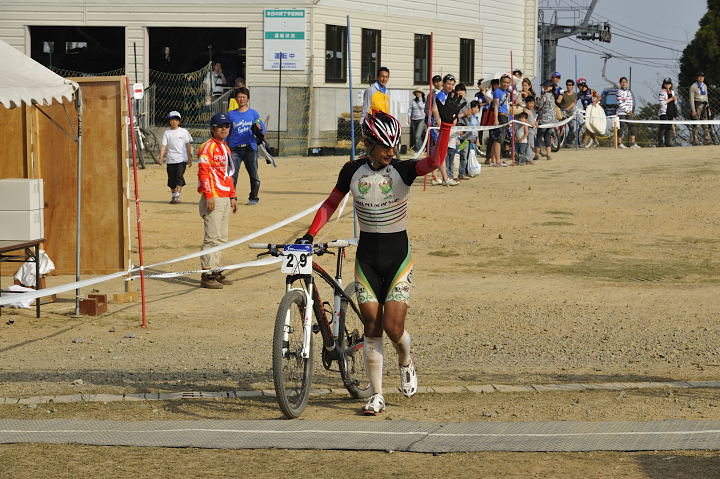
(79, 108)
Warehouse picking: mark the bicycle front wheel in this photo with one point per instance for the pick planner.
(292, 374)
(352, 363)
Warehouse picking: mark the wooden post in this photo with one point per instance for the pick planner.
(615, 131)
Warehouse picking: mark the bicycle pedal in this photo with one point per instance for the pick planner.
(315, 328)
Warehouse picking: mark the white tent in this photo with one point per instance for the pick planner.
(23, 80)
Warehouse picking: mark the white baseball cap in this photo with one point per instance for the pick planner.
(174, 114)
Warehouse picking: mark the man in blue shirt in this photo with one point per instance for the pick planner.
(501, 113)
(246, 132)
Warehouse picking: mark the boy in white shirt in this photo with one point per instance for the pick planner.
(176, 143)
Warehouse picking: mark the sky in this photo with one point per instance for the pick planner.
(670, 25)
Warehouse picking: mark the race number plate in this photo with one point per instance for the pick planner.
(297, 259)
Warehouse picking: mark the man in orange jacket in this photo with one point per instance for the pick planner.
(215, 184)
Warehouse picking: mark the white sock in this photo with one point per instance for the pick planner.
(403, 349)
(374, 362)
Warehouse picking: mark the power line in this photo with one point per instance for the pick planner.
(629, 29)
(622, 56)
(649, 43)
(619, 56)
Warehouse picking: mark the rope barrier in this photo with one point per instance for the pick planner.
(31, 295)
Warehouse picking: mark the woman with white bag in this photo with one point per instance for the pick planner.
(595, 122)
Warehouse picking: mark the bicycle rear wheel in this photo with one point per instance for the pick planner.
(292, 374)
(139, 151)
(352, 363)
(151, 143)
(554, 140)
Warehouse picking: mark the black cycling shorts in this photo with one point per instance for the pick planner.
(383, 268)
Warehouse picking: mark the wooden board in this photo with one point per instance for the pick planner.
(104, 226)
(13, 137)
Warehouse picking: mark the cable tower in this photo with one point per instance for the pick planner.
(556, 22)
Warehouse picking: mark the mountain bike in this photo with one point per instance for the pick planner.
(339, 324)
(145, 143)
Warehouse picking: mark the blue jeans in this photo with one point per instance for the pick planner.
(417, 133)
(248, 157)
(464, 158)
(521, 152)
(450, 162)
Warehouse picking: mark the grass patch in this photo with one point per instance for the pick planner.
(617, 269)
(557, 213)
(443, 253)
(557, 223)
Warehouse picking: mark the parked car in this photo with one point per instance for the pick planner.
(608, 100)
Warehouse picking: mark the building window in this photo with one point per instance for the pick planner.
(335, 57)
(421, 65)
(467, 61)
(76, 51)
(370, 61)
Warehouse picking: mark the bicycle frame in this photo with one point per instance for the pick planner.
(329, 329)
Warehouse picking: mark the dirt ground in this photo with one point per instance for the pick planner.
(596, 266)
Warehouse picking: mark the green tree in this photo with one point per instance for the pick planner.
(646, 134)
(703, 52)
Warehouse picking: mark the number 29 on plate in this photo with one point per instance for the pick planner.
(297, 259)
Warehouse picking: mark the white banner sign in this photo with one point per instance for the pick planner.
(284, 36)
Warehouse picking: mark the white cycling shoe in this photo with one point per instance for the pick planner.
(374, 406)
(408, 379)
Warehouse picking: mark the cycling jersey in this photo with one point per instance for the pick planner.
(380, 195)
(215, 170)
(383, 265)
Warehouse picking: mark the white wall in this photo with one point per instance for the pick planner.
(497, 26)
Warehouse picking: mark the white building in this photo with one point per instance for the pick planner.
(472, 39)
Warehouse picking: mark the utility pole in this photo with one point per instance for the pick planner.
(564, 22)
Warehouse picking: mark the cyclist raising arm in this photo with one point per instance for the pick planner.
(380, 185)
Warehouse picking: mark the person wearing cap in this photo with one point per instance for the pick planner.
(699, 108)
(437, 84)
(376, 97)
(557, 89)
(417, 119)
(217, 200)
(667, 111)
(246, 133)
(584, 95)
(176, 153)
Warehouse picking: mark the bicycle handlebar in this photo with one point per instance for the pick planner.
(329, 244)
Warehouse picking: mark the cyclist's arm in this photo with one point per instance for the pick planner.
(163, 149)
(326, 210)
(432, 163)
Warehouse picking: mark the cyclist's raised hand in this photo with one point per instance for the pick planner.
(306, 239)
(449, 110)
